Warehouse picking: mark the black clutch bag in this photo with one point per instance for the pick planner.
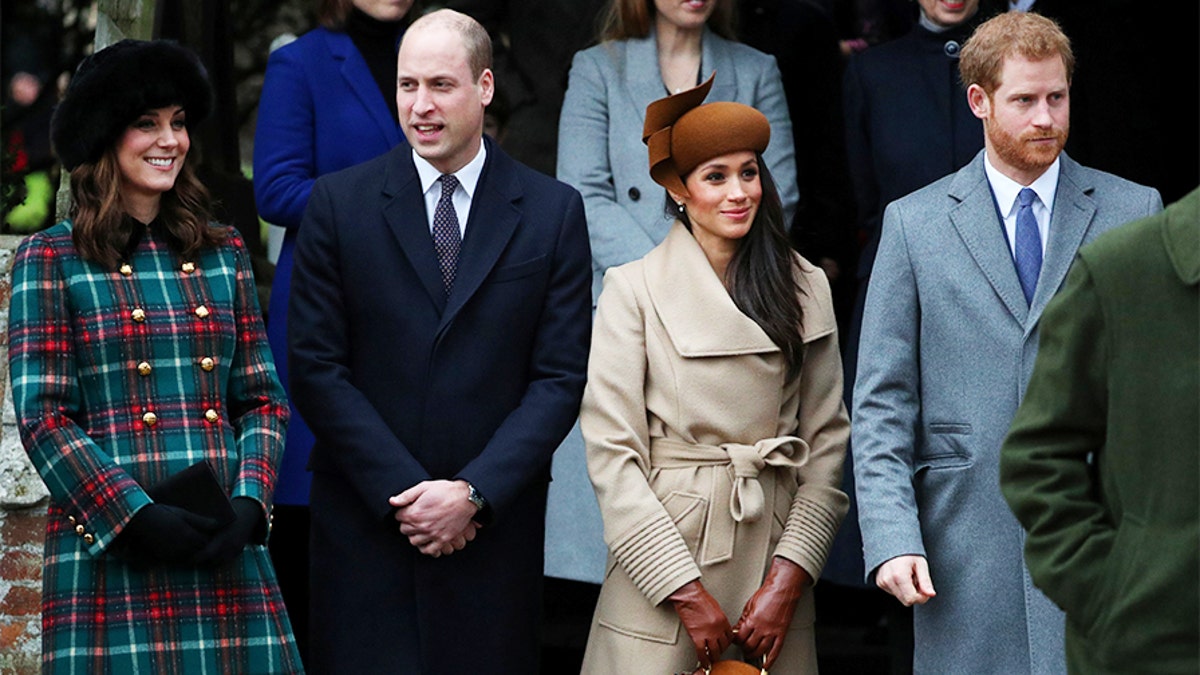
(195, 489)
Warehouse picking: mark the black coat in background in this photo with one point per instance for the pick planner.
(401, 384)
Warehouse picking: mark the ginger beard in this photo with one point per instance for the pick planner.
(1033, 150)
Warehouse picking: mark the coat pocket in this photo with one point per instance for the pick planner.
(622, 607)
(945, 446)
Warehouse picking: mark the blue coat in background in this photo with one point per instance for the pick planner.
(321, 111)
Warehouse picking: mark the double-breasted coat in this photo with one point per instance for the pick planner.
(1102, 464)
(403, 383)
(948, 345)
(120, 379)
(707, 461)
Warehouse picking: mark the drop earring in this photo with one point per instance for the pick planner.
(680, 205)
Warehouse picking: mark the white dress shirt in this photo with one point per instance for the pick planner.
(1005, 190)
(468, 179)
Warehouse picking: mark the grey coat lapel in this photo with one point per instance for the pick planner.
(1070, 219)
(983, 234)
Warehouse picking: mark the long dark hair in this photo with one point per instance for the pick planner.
(100, 229)
(761, 275)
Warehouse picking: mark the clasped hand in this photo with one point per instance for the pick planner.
(764, 622)
(436, 516)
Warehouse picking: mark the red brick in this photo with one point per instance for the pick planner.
(21, 601)
(21, 566)
(10, 633)
(25, 526)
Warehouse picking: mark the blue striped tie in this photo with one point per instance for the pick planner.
(1029, 244)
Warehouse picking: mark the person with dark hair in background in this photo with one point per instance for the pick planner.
(965, 268)
(438, 336)
(713, 414)
(328, 102)
(145, 392)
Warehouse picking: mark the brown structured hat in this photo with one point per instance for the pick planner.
(680, 133)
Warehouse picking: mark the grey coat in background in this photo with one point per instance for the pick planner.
(948, 345)
(600, 149)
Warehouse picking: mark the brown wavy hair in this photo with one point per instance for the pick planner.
(1025, 34)
(628, 19)
(101, 230)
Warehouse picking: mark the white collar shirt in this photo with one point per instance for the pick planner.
(1005, 190)
(468, 180)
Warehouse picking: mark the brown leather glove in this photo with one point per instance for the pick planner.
(705, 622)
(765, 620)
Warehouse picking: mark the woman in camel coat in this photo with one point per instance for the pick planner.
(715, 434)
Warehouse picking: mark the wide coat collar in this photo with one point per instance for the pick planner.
(1181, 236)
(691, 302)
(495, 214)
(357, 75)
(979, 226)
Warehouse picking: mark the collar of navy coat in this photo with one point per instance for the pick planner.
(697, 312)
(974, 217)
(497, 196)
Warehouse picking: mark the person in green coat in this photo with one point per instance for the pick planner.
(1102, 463)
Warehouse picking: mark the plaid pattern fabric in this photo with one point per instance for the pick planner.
(120, 380)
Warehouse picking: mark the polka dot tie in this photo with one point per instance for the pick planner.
(446, 237)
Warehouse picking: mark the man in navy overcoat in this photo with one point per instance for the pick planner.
(438, 335)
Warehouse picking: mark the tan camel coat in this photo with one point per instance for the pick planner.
(706, 461)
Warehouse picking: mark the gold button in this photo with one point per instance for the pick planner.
(202, 312)
(144, 368)
(139, 315)
(79, 530)
(211, 415)
(150, 419)
(89, 539)
(207, 363)
(189, 267)
(72, 519)
(126, 269)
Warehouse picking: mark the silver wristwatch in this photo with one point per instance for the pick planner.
(476, 498)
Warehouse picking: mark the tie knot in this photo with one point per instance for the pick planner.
(1025, 197)
(449, 182)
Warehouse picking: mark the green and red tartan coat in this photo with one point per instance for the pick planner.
(121, 378)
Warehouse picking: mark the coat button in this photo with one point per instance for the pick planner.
(207, 364)
(79, 530)
(71, 519)
(139, 315)
(211, 415)
(150, 419)
(189, 267)
(89, 539)
(126, 269)
(635, 194)
(202, 312)
(144, 368)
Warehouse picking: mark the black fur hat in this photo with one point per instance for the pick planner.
(112, 87)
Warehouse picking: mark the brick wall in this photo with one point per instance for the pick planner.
(22, 518)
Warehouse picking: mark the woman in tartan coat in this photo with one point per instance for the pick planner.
(136, 350)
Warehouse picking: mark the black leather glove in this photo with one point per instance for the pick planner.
(228, 543)
(160, 534)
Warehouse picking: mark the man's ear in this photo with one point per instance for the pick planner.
(980, 102)
(487, 86)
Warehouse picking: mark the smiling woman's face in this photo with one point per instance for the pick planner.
(725, 194)
(150, 155)
(949, 12)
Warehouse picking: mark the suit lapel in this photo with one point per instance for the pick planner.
(490, 225)
(405, 214)
(714, 57)
(360, 80)
(1070, 219)
(983, 234)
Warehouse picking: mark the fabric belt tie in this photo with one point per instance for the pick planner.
(747, 501)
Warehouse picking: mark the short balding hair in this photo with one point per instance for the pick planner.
(1026, 34)
(476, 40)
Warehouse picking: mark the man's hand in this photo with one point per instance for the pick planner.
(907, 578)
(436, 516)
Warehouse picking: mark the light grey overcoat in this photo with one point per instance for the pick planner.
(948, 345)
